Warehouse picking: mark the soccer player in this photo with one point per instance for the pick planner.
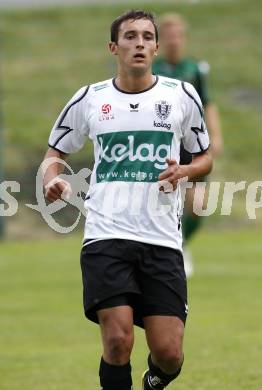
(174, 63)
(131, 260)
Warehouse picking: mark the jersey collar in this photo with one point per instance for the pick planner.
(134, 93)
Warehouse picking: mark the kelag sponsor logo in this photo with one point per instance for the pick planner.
(133, 155)
(162, 124)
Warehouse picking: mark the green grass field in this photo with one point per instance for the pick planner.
(46, 343)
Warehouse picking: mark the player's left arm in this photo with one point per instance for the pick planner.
(195, 139)
(201, 165)
(214, 127)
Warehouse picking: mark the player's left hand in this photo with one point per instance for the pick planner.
(169, 178)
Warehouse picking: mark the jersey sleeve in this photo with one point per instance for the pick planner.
(194, 131)
(71, 129)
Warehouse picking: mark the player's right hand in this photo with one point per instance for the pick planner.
(56, 189)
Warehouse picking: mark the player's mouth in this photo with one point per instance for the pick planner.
(139, 56)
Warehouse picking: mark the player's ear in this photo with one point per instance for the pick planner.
(157, 47)
(113, 48)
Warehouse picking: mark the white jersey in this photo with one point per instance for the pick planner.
(133, 134)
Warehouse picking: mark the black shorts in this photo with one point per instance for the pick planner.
(149, 278)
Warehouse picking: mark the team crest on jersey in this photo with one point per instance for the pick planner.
(163, 109)
(106, 112)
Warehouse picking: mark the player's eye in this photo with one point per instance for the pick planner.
(130, 36)
(149, 37)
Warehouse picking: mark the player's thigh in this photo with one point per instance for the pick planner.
(117, 330)
(165, 335)
(107, 272)
(118, 318)
(163, 283)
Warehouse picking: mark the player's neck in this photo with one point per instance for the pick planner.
(134, 83)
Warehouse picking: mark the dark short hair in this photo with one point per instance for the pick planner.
(135, 15)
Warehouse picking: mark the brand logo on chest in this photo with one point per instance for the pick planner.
(134, 107)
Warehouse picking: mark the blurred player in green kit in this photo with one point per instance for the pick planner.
(174, 63)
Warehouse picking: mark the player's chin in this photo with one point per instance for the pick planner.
(140, 68)
(139, 64)
(140, 61)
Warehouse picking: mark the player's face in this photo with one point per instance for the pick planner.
(173, 39)
(136, 45)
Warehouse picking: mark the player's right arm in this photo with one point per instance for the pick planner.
(53, 185)
(67, 136)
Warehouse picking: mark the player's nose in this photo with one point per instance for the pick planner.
(140, 41)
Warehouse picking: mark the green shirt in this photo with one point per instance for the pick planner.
(187, 70)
